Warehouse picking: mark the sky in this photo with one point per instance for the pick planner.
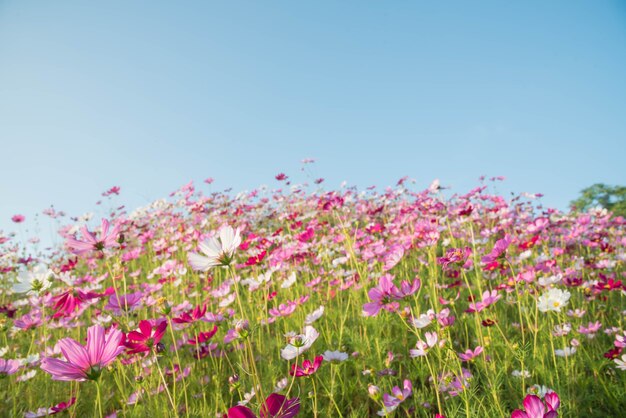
(149, 95)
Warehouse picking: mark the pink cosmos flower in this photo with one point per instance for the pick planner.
(18, 218)
(393, 257)
(275, 406)
(8, 366)
(383, 296)
(283, 309)
(470, 355)
(398, 395)
(85, 362)
(107, 239)
(489, 298)
(535, 408)
(308, 368)
(124, 303)
(499, 248)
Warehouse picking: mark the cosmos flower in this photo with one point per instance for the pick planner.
(275, 406)
(384, 296)
(18, 218)
(85, 362)
(488, 299)
(398, 395)
(107, 239)
(335, 356)
(553, 300)
(300, 343)
(422, 347)
(314, 316)
(498, 250)
(534, 407)
(470, 354)
(124, 303)
(308, 368)
(146, 338)
(621, 363)
(216, 252)
(42, 412)
(8, 366)
(35, 281)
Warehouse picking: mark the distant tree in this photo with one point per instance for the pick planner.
(612, 198)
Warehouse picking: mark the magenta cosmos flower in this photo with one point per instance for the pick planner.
(86, 362)
(275, 406)
(308, 367)
(107, 239)
(534, 407)
(147, 337)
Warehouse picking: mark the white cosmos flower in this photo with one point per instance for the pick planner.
(254, 284)
(567, 351)
(35, 281)
(547, 281)
(424, 319)
(227, 301)
(289, 281)
(300, 343)
(281, 384)
(314, 316)
(523, 374)
(216, 252)
(553, 300)
(621, 364)
(387, 409)
(27, 376)
(335, 356)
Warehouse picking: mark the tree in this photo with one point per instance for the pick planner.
(611, 198)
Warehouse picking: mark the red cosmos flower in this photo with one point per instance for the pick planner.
(281, 176)
(254, 260)
(307, 368)
(146, 338)
(203, 337)
(613, 353)
(275, 406)
(108, 239)
(528, 244)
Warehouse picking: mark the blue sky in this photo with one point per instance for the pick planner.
(151, 95)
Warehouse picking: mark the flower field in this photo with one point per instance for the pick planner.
(312, 303)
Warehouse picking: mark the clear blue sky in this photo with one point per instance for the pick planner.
(150, 95)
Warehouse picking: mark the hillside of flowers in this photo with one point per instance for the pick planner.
(300, 301)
